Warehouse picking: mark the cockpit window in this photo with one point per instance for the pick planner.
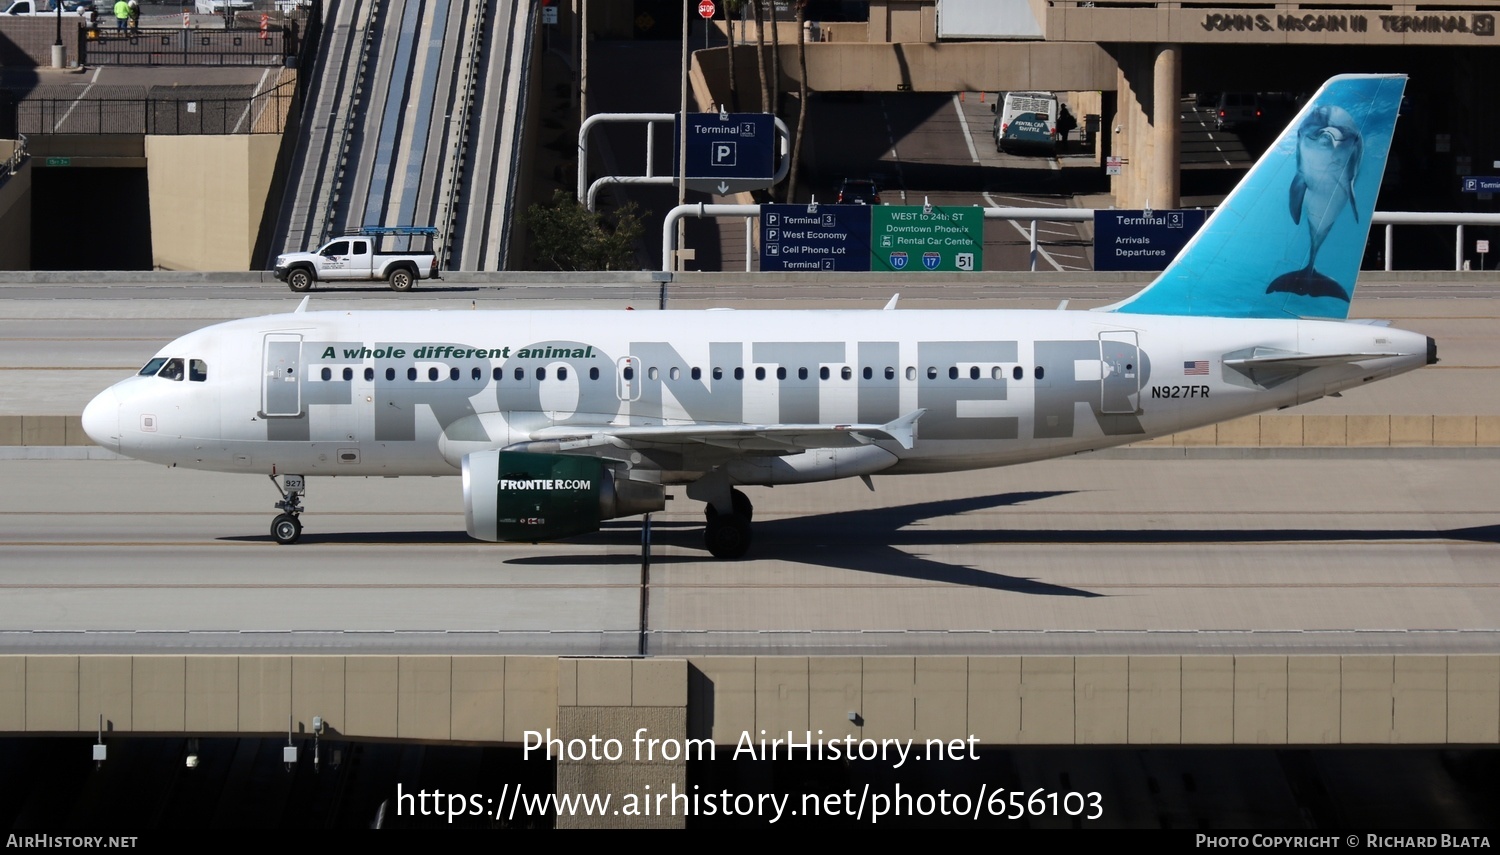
(153, 366)
(198, 370)
(172, 370)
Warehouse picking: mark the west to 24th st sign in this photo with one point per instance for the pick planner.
(728, 153)
(909, 237)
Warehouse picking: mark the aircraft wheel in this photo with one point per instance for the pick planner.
(742, 506)
(299, 280)
(727, 536)
(286, 528)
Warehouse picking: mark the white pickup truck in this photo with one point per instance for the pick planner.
(47, 7)
(357, 257)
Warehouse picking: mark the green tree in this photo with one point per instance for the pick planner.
(567, 236)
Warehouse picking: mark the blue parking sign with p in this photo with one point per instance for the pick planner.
(725, 152)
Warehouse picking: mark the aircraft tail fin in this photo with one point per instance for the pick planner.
(1287, 242)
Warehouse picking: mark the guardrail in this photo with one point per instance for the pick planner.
(170, 46)
(1390, 219)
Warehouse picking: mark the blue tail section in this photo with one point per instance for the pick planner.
(1288, 241)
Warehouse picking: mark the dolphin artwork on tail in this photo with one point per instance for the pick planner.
(1329, 151)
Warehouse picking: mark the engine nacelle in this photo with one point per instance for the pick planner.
(528, 497)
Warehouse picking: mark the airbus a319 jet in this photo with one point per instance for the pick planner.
(559, 419)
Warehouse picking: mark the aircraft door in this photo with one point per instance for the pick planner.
(628, 378)
(282, 390)
(1120, 372)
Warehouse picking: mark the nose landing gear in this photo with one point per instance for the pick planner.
(286, 528)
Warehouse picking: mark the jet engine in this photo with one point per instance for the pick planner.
(530, 497)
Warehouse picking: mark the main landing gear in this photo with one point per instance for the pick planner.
(286, 528)
(727, 535)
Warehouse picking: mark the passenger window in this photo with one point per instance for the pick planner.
(801, 373)
(390, 374)
(198, 371)
(562, 372)
(952, 373)
(629, 373)
(696, 373)
(932, 373)
(327, 373)
(153, 366)
(823, 372)
(995, 373)
(869, 372)
(675, 373)
(781, 372)
(911, 372)
(541, 374)
(973, 372)
(760, 372)
(847, 373)
(475, 374)
(652, 373)
(411, 373)
(432, 373)
(1040, 372)
(452, 373)
(496, 374)
(369, 374)
(1017, 373)
(520, 374)
(718, 374)
(739, 373)
(347, 372)
(594, 373)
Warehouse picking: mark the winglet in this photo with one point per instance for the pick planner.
(901, 430)
(302, 306)
(892, 304)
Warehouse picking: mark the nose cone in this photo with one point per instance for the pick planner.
(101, 420)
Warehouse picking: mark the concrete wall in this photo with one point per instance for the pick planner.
(936, 67)
(997, 700)
(208, 195)
(15, 214)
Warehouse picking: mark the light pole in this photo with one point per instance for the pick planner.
(57, 46)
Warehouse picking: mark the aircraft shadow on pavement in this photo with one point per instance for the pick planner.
(873, 540)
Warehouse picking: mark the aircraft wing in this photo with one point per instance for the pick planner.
(753, 439)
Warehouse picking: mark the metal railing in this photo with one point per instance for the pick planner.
(263, 113)
(168, 46)
(18, 155)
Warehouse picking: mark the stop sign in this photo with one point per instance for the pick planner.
(706, 9)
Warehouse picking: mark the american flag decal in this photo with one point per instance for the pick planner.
(1198, 367)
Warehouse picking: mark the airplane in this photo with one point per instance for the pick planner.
(557, 420)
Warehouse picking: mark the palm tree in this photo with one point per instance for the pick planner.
(802, 90)
(760, 56)
(731, 8)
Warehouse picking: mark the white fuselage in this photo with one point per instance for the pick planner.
(412, 392)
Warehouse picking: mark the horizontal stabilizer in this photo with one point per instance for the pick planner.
(1305, 360)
